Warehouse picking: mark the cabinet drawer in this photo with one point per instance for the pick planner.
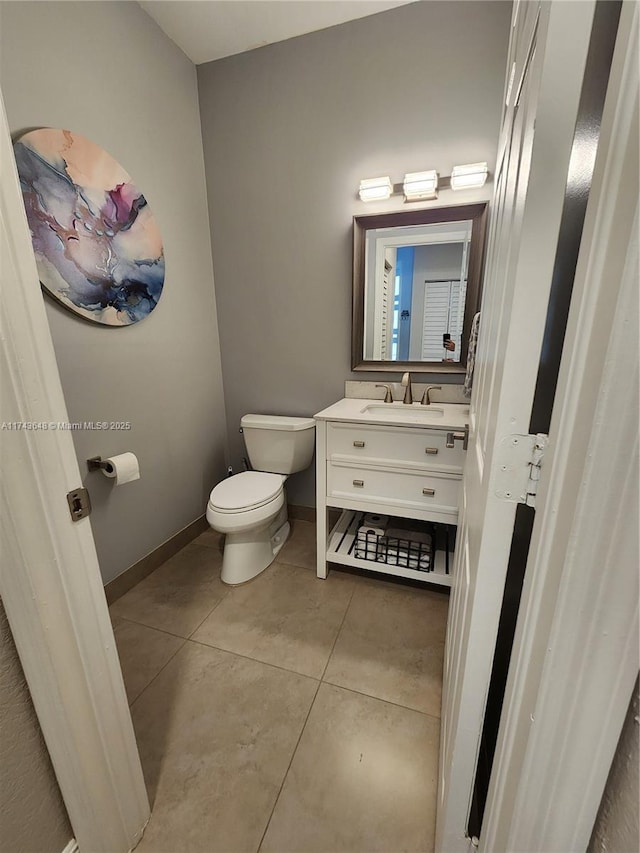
(398, 488)
(422, 447)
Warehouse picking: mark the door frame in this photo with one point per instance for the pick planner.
(575, 655)
(540, 49)
(56, 608)
(603, 38)
(50, 581)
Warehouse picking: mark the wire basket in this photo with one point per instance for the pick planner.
(406, 553)
(408, 549)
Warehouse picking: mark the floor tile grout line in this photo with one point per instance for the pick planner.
(151, 627)
(304, 726)
(294, 565)
(359, 692)
(162, 668)
(320, 680)
(213, 609)
(386, 701)
(339, 631)
(254, 660)
(164, 630)
(169, 634)
(286, 773)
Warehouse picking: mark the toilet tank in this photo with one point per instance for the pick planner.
(278, 444)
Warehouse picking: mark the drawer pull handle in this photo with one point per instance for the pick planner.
(358, 483)
(358, 443)
(431, 450)
(429, 492)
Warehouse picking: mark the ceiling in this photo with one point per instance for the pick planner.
(210, 29)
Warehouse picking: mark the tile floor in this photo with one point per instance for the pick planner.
(287, 715)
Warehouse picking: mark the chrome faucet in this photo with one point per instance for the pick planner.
(406, 383)
(426, 397)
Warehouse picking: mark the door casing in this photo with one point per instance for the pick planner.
(50, 580)
(535, 150)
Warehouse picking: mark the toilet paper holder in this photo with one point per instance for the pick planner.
(97, 463)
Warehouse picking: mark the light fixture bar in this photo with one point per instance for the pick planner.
(471, 175)
(376, 189)
(420, 185)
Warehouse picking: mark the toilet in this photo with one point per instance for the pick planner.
(251, 508)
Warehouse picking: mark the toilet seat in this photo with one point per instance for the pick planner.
(246, 491)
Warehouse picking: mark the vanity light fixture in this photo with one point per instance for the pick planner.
(469, 176)
(420, 185)
(376, 189)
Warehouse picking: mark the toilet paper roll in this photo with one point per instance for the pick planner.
(367, 542)
(367, 532)
(371, 519)
(123, 468)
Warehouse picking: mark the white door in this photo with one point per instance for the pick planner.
(545, 71)
(386, 303)
(576, 650)
(435, 319)
(443, 311)
(49, 577)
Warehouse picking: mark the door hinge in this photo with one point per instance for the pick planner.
(79, 504)
(535, 466)
(519, 461)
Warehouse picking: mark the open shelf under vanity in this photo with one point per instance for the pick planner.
(341, 548)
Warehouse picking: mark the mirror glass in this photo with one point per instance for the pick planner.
(416, 288)
(415, 291)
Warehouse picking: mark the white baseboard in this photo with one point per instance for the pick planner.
(72, 847)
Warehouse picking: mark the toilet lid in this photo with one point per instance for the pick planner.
(247, 490)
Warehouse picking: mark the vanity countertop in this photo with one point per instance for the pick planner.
(355, 410)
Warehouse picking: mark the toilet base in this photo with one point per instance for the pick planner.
(248, 554)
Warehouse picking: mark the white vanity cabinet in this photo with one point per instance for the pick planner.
(406, 464)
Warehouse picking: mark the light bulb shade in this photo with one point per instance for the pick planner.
(471, 175)
(376, 189)
(419, 185)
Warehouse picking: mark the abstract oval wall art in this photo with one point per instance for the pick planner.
(97, 246)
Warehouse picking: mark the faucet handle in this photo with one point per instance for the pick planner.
(426, 398)
(388, 397)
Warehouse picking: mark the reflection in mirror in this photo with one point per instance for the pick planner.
(416, 287)
(415, 291)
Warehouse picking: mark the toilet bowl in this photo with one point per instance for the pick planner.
(251, 508)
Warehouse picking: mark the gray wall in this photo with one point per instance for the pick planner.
(33, 818)
(106, 71)
(289, 130)
(616, 828)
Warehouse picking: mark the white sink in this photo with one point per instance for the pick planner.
(360, 410)
(404, 412)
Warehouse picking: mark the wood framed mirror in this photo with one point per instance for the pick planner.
(416, 288)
